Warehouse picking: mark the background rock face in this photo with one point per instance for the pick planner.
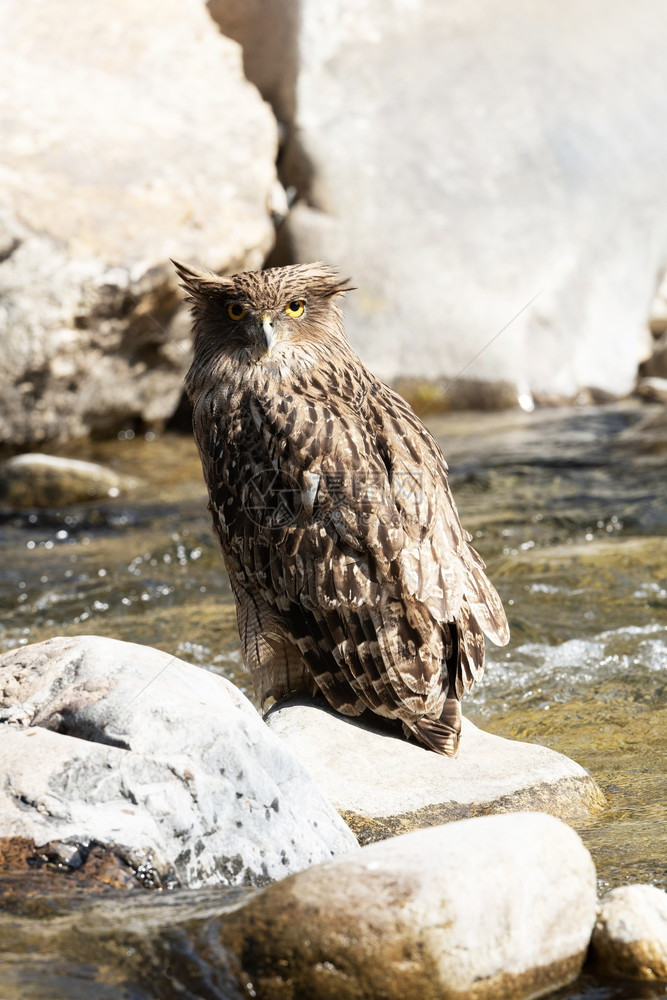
(160, 761)
(465, 164)
(460, 159)
(268, 33)
(492, 908)
(129, 135)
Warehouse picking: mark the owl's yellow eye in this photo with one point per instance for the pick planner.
(295, 308)
(236, 311)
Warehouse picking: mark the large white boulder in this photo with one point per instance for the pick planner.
(461, 159)
(162, 762)
(498, 907)
(129, 135)
(385, 785)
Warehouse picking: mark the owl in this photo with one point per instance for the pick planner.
(352, 574)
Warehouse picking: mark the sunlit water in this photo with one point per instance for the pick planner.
(569, 510)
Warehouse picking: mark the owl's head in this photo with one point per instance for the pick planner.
(263, 318)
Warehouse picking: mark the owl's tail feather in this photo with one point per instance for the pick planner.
(440, 735)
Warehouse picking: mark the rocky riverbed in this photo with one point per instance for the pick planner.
(569, 509)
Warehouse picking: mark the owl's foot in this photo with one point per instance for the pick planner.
(440, 735)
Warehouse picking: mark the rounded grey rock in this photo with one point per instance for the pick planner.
(630, 936)
(497, 907)
(165, 763)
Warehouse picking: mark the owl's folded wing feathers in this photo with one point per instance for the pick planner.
(381, 484)
(379, 549)
(438, 565)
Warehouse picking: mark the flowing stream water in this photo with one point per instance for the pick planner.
(568, 509)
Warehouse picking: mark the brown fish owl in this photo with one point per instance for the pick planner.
(352, 574)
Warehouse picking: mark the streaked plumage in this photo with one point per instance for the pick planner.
(351, 571)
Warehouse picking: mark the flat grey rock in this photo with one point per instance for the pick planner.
(383, 784)
(162, 762)
(497, 908)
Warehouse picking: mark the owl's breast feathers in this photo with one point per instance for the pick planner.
(332, 505)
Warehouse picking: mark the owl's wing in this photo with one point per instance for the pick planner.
(382, 565)
(438, 563)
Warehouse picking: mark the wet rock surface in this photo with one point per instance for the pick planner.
(163, 763)
(630, 936)
(88, 867)
(384, 785)
(501, 906)
(114, 945)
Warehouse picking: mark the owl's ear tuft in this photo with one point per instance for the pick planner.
(338, 286)
(201, 286)
(329, 281)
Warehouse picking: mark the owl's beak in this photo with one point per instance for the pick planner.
(269, 332)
